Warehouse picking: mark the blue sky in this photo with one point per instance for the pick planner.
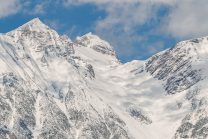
(137, 29)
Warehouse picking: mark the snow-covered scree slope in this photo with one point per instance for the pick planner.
(51, 87)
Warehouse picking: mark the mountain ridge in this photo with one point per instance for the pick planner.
(52, 87)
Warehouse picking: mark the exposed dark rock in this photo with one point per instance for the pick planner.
(175, 68)
(140, 116)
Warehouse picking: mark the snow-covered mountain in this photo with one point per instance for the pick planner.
(51, 87)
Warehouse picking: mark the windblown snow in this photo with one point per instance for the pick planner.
(51, 87)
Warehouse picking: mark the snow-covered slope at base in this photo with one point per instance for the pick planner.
(124, 91)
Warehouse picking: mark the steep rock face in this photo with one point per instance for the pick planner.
(177, 65)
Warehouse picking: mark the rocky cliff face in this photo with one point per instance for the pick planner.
(51, 87)
(177, 66)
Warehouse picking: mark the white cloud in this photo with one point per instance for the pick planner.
(39, 7)
(126, 15)
(54, 24)
(71, 31)
(122, 43)
(154, 47)
(9, 7)
(188, 19)
(99, 2)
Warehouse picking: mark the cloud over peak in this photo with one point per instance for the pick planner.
(9, 7)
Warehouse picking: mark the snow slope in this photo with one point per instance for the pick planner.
(159, 93)
(51, 87)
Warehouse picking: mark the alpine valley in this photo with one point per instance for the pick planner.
(53, 88)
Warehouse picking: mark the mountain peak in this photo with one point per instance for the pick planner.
(34, 21)
(91, 36)
(33, 25)
(91, 40)
(105, 54)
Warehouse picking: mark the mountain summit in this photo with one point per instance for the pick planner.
(51, 87)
